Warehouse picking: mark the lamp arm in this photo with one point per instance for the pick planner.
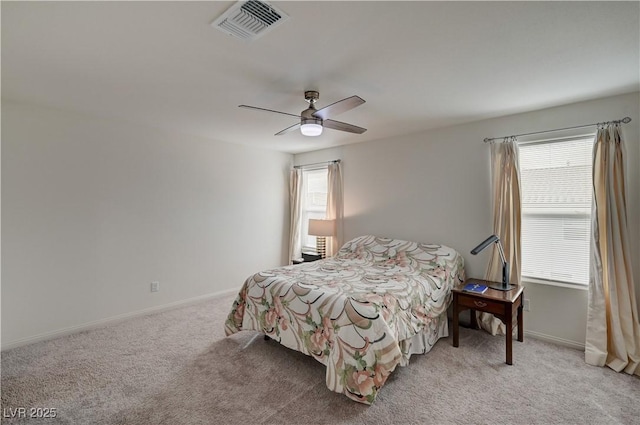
(505, 266)
(501, 251)
(485, 243)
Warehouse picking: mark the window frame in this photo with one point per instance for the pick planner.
(557, 136)
(304, 211)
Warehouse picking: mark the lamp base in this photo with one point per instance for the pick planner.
(499, 287)
(321, 246)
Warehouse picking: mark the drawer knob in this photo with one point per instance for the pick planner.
(480, 304)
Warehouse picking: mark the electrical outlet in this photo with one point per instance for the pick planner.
(526, 305)
(155, 286)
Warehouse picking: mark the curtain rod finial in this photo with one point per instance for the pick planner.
(626, 120)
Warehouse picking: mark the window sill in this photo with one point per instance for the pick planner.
(555, 283)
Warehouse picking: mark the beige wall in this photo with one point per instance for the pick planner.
(435, 187)
(94, 210)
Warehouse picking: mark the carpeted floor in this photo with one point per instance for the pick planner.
(177, 367)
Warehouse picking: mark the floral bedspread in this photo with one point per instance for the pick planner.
(360, 313)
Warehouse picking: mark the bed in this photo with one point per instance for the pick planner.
(360, 313)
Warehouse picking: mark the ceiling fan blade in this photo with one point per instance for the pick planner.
(343, 126)
(339, 107)
(288, 129)
(268, 110)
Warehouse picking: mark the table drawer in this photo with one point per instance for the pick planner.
(481, 304)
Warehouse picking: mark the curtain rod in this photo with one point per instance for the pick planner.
(317, 163)
(625, 120)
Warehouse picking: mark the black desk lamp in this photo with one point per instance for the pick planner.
(505, 266)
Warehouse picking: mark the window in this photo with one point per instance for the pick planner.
(314, 203)
(556, 209)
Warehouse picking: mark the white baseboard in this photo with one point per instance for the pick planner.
(555, 340)
(114, 319)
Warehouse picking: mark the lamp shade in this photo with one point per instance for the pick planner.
(322, 227)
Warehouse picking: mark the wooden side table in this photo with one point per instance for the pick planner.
(502, 304)
(306, 258)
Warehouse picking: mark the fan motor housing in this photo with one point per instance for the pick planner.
(310, 120)
(308, 114)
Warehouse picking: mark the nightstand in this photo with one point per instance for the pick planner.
(311, 257)
(307, 258)
(505, 305)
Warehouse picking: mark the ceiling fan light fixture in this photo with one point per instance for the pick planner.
(311, 127)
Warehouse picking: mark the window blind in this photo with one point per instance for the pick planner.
(556, 209)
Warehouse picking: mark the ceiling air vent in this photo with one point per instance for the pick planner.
(250, 19)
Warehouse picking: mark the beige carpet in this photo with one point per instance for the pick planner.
(177, 367)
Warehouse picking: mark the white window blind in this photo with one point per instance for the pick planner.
(556, 209)
(314, 202)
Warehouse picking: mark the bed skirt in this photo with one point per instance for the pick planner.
(424, 341)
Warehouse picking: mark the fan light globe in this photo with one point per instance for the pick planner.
(311, 129)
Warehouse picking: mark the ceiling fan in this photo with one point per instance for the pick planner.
(313, 120)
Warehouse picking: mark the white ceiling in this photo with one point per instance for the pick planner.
(419, 65)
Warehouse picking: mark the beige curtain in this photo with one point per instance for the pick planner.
(505, 175)
(335, 206)
(613, 332)
(295, 200)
